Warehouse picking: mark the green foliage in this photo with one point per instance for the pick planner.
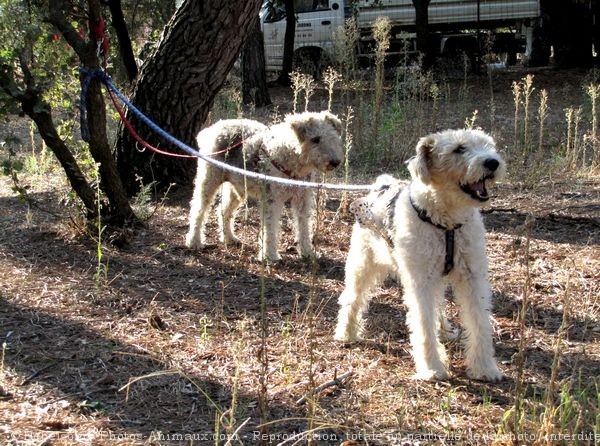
(142, 201)
(12, 167)
(226, 105)
(36, 53)
(38, 164)
(11, 163)
(27, 41)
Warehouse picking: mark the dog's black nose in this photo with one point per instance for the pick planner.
(491, 164)
(334, 163)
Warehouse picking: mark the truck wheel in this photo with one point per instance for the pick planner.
(540, 49)
(510, 58)
(310, 61)
(455, 64)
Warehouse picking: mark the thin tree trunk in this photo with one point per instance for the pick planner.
(422, 29)
(125, 49)
(288, 43)
(40, 112)
(254, 76)
(177, 85)
(66, 159)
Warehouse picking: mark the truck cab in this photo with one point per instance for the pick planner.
(316, 20)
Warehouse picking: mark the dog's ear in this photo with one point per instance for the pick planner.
(334, 121)
(300, 124)
(419, 165)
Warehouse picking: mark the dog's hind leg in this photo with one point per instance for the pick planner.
(230, 201)
(206, 184)
(270, 228)
(473, 296)
(363, 273)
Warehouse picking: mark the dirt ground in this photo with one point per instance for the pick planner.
(170, 346)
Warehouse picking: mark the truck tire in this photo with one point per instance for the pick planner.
(455, 64)
(540, 51)
(510, 58)
(459, 56)
(540, 45)
(310, 61)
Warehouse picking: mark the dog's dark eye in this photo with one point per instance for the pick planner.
(460, 149)
(316, 140)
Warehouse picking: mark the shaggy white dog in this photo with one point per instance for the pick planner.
(296, 148)
(429, 234)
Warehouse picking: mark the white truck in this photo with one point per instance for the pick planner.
(454, 26)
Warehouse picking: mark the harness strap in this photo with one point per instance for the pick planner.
(449, 259)
(449, 233)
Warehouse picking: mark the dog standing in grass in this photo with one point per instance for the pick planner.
(429, 234)
(297, 148)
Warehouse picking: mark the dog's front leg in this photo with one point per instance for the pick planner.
(270, 228)
(420, 297)
(473, 295)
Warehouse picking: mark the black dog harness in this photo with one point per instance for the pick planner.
(383, 224)
(449, 258)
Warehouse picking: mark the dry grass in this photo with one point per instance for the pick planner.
(177, 347)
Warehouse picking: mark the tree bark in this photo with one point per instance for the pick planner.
(254, 76)
(288, 43)
(177, 85)
(422, 29)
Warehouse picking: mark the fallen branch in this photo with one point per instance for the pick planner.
(37, 372)
(570, 218)
(506, 210)
(336, 381)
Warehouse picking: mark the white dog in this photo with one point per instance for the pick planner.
(429, 235)
(296, 148)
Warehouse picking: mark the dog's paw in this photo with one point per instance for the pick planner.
(489, 372)
(345, 336)
(230, 241)
(431, 375)
(309, 256)
(194, 242)
(268, 258)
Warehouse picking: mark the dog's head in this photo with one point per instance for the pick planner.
(319, 135)
(464, 161)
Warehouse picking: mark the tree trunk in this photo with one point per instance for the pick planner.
(178, 83)
(125, 49)
(120, 212)
(254, 76)
(422, 29)
(288, 43)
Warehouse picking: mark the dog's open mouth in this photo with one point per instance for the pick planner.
(477, 190)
